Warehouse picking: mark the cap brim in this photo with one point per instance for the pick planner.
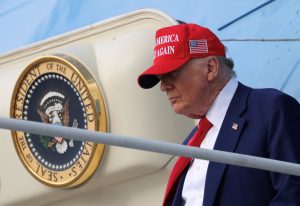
(148, 78)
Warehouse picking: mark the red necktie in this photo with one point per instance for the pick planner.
(183, 162)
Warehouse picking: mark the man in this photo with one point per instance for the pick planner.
(191, 63)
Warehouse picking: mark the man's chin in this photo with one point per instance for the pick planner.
(182, 111)
(179, 110)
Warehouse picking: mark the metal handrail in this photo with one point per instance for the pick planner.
(150, 145)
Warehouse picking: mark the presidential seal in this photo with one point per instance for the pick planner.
(58, 90)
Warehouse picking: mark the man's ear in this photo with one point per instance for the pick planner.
(213, 68)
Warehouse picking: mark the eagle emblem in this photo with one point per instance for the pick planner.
(53, 108)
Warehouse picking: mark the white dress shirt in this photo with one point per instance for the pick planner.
(193, 188)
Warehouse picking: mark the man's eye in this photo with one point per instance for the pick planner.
(175, 73)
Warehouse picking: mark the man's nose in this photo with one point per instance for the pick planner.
(165, 85)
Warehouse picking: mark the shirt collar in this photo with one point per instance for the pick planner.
(217, 112)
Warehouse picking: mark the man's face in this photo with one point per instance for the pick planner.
(188, 88)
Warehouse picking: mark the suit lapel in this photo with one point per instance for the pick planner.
(226, 141)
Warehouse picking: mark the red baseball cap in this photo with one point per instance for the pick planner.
(175, 45)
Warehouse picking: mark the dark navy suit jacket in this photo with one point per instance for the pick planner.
(268, 126)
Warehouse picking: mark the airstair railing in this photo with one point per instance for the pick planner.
(150, 145)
